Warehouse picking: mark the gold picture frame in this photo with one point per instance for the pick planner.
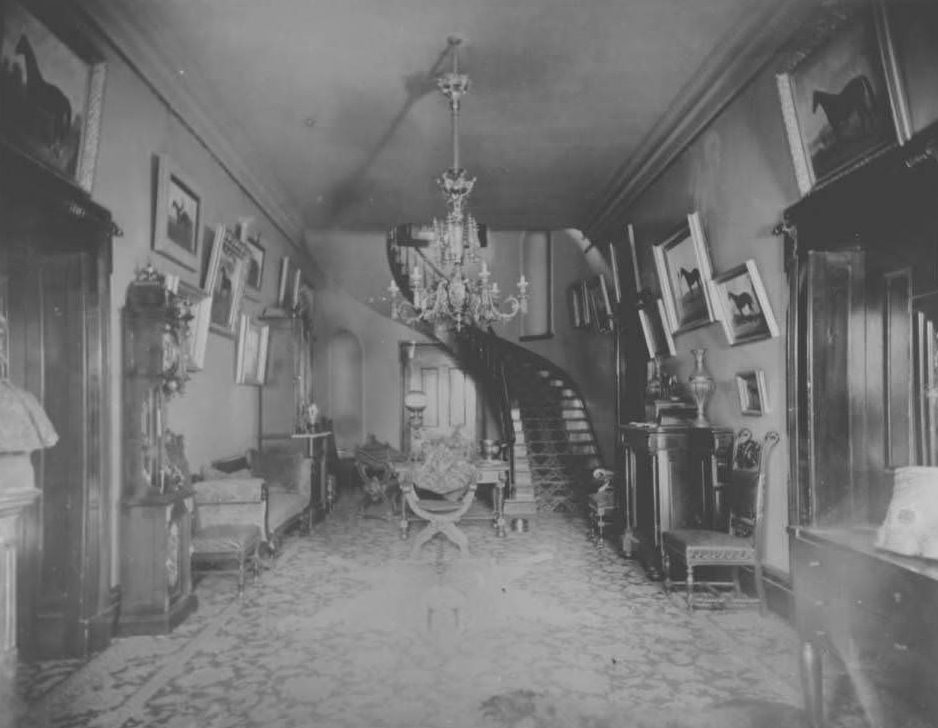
(177, 217)
(684, 273)
(842, 96)
(744, 307)
(753, 393)
(251, 364)
(224, 281)
(39, 47)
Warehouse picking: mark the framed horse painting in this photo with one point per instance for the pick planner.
(177, 218)
(743, 305)
(842, 97)
(51, 89)
(683, 264)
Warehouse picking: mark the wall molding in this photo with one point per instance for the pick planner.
(220, 136)
(735, 61)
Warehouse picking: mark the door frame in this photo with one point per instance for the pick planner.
(404, 349)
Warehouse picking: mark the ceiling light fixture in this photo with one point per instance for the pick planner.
(449, 282)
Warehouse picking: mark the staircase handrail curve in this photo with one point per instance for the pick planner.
(401, 274)
(514, 349)
(482, 362)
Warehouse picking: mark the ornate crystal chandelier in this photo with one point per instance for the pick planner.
(450, 284)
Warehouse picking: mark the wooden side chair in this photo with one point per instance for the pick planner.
(373, 460)
(742, 545)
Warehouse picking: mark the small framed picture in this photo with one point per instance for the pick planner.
(753, 397)
(254, 276)
(842, 96)
(224, 280)
(585, 308)
(253, 338)
(52, 89)
(286, 298)
(744, 305)
(600, 303)
(178, 215)
(658, 338)
(683, 264)
(574, 305)
(200, 305)
(614, 265)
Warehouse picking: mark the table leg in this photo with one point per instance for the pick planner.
(811, 683)
(500, 504)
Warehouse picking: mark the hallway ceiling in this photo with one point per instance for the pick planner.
(333, 105)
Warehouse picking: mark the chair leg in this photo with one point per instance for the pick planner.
(760, 587)
(242, 562)
(737, 589)
(456, 536)
(690, 587)
(666, 565)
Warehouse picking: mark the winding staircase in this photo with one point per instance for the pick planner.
(552, 445)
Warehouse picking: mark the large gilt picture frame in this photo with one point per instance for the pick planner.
(684, 273)
(842, 96)
(52, 90)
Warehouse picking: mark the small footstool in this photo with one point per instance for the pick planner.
(237, 544)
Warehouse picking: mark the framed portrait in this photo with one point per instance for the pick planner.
(253, 338)
(842, 97)
(614, 266)
(178, 215)
(289, 289)
(254, 276)
(586, 310)
(575, 304)
(744, 306)
(655, 331)
(633, 253)
(753, 397)
(599, 303)
(683, 264)
(200, 304)
(225, 281)
(52, 90)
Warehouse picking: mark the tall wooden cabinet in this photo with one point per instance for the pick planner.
(672, 480)
(862, 261)
(55, 269)
(157, 503)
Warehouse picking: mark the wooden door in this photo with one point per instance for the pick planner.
(452, 399)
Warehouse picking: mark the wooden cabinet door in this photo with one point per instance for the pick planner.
(832, 439)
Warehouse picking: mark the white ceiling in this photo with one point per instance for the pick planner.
(330, 103)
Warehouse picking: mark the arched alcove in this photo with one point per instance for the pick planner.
(346, 389)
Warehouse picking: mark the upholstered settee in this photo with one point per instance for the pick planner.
(271, 489)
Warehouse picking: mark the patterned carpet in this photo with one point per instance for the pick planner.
(536, 630)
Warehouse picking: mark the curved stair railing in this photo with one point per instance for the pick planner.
(545, 424)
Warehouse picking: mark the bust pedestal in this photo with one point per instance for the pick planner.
(17, 493)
